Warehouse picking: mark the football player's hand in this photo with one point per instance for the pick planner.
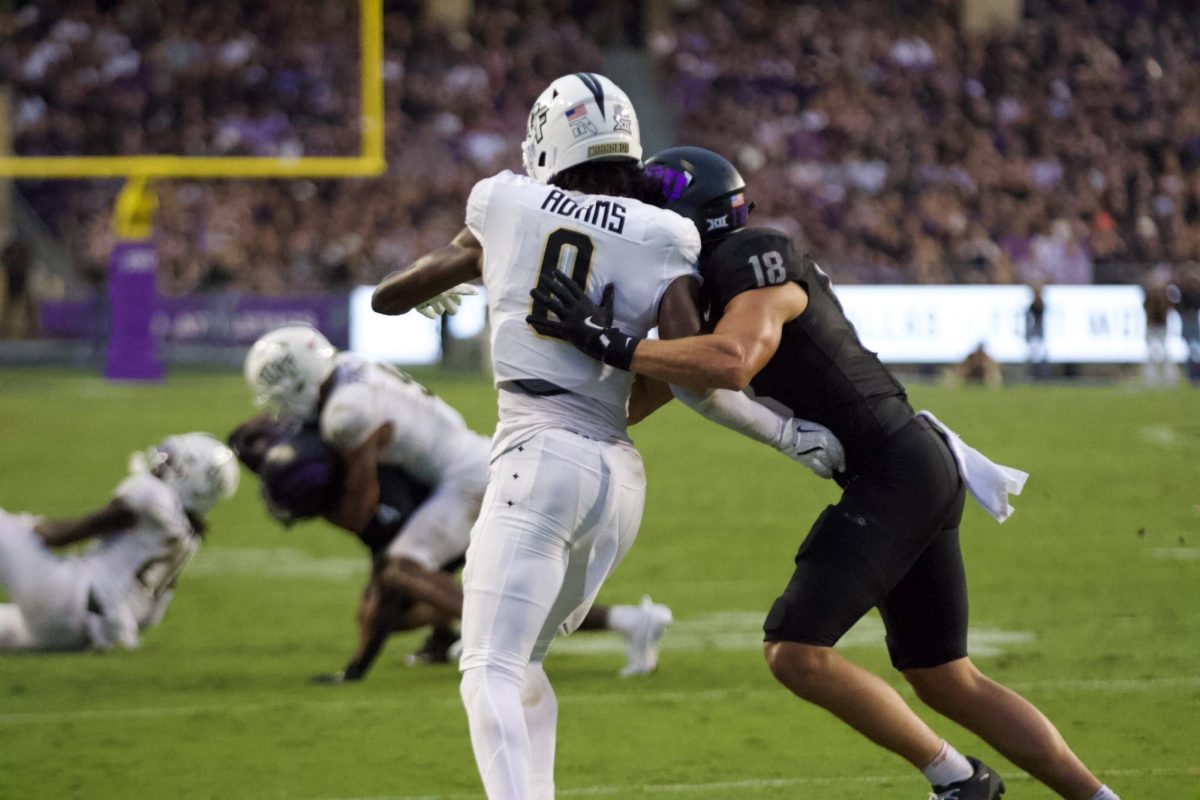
(814, 446)
(585, 324)
(445, 303)
(330, 678)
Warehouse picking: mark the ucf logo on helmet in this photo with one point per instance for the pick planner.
(279, 370)
(537, 121)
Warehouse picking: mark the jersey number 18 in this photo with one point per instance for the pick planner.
(768, 270)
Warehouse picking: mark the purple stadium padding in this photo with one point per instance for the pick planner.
(132, 355)
(218, 319)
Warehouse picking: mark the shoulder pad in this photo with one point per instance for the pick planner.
(752, 258)
(350, 416)
(741, 244)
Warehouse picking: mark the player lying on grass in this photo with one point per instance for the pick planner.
(142, 539)
(415, 506)
(892, 540)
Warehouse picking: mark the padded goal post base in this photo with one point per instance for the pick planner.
(132, 290)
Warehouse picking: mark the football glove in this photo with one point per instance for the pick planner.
(445, 303)
(814, 446)
(585, 325)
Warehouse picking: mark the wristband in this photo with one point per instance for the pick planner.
(618, 348)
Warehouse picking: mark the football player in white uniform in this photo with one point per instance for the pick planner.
(374, 414)
(123, 582)
(301, 477)
(566, 487)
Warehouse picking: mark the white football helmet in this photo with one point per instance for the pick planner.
(580, 117)
(286, 367)
(199, 468)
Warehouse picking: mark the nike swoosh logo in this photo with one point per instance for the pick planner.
(588, 322)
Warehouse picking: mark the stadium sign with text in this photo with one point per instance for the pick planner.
(904, 324)
(941, 324)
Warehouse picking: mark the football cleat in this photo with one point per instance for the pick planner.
(440, 647)
(984, 784)
(642, 643)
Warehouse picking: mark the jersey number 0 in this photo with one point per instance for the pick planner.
(568, 251)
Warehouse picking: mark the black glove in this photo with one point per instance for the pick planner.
(582, 323)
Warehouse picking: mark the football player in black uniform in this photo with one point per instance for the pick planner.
(775, 324)
(302, 478)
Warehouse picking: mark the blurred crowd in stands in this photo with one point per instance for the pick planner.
(891, 142)
(214, 78)
(886, 138)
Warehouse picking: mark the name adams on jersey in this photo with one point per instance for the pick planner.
(608, 215)
(821, 370)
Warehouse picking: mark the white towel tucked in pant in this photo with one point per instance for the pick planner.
(988, 482)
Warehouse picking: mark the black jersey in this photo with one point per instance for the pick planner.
(399, 496)
(821, 370)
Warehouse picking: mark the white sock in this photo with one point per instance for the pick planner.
(1105, 793)
(499, 736)
(541, 719)
(948, 766)
(623, 618)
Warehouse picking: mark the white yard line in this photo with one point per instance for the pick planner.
(1161, 435)
(1077, 686)
(770, 783)
(1176, 553)
(742, 631)
(724, 631)
(274, 562)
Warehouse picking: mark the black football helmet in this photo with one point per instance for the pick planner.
(251, 440)
(702, 186)
(301, 477)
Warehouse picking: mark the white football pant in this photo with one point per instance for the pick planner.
(48, 593)
(439, 530)
(560, 512)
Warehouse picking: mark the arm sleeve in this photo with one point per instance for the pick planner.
(736, 411)
(154, 502)
(350, 417)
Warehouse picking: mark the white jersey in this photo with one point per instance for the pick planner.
(431, 441)
(527, 227)
(134, 572)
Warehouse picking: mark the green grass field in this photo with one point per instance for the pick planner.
(1087, 601)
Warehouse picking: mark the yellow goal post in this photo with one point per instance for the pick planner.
(369, 161)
